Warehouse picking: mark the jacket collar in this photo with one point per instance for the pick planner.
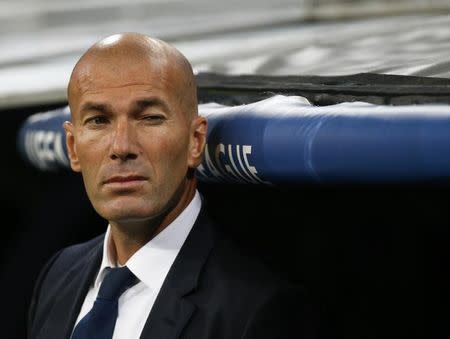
(172, 308)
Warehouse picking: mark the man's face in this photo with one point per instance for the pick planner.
(131, 140)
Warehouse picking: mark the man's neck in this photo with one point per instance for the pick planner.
(127, 238)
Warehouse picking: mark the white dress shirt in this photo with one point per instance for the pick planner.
(150, 264)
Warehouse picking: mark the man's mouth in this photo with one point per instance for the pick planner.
(125, 179)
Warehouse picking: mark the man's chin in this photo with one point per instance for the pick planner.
(128, 215)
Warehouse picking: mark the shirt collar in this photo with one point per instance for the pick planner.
(151, 263)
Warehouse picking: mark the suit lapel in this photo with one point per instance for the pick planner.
(172, 308)
(67, 305)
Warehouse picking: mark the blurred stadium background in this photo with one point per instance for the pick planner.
(375, 258)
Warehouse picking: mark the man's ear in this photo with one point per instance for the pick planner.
(71, 149)
(198, 141)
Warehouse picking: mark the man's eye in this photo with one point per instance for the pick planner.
(154, 118)
(97, 120)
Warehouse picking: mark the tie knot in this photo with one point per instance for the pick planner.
(116, 281)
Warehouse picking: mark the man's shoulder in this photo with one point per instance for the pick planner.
(74, 253)
(70, 258)
(58, 272)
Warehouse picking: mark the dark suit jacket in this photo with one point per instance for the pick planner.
(211, 291)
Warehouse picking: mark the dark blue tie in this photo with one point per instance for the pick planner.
(100, 321)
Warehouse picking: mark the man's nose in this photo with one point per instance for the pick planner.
(123, 142)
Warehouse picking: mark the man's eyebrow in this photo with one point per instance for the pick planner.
(142, 104)
(95, 106)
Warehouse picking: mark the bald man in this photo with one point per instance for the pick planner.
(162, 269)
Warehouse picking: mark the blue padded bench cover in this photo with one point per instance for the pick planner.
(286, 139)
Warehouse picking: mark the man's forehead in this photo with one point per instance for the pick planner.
(82, 79)
(123, 88)
(97, 75)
